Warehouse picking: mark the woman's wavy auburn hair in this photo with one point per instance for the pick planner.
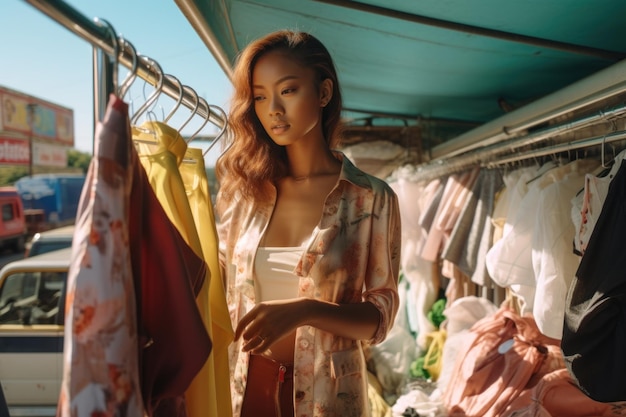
(252, 161)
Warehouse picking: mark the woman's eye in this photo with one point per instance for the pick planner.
(258, 98)
(288, 90)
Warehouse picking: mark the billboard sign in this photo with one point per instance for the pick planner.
(32, 117)
(49, 155)
(14, 151)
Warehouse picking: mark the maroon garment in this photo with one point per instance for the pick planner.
(168, 275)
(265, 396)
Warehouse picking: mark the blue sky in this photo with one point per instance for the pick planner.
(42, 58)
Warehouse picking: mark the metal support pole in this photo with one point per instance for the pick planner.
(100, 38)
(30, 118)
(102, 83)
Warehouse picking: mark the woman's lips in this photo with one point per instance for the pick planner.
(280, 128)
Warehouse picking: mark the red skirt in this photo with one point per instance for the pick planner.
(269, 390)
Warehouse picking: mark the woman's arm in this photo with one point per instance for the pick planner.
(269, 321)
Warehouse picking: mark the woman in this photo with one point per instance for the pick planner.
(309, 243)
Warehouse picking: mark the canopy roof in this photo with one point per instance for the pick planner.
(461, 63)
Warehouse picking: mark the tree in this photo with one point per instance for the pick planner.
(77, 159)
(10, 174)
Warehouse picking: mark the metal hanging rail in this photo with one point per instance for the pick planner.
(100, 37)
(442, 171)
(602, 85)
(493, 154)
(617, 136)
(563, 147)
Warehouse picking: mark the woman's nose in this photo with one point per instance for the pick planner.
(276, 106)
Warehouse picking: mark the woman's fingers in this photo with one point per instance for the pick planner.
(244, 322)
(253, 331)
(267, 322)
(256, 344)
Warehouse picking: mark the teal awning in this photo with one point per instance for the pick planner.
(458, 60)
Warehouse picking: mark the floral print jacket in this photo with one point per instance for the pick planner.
(353, 255)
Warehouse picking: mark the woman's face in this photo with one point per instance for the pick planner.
(287, 99)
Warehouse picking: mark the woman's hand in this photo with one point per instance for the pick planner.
(270, 321)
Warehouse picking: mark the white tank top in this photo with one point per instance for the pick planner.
(274, 277)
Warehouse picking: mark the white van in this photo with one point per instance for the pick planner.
(32, 302)
(50, 240)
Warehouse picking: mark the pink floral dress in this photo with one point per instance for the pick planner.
(353, 255)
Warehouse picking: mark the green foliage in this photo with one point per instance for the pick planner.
(435, 314)
(76, 162)
(11, 173)
(77, 159)
(416, 369)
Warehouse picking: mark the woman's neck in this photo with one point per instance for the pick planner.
(305, 165)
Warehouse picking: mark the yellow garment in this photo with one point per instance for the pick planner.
(379, 407)
(193, 173)
(498, 217)
(161, 150)
(433, 360)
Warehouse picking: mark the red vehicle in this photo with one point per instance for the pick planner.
(12, 221)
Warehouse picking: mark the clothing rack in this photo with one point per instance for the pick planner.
(496, 140)
(564, 147)
(593, 89)
(103, 41)
(504, 152)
